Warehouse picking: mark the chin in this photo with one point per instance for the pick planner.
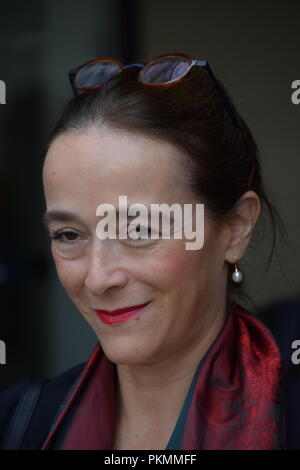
(126, 351)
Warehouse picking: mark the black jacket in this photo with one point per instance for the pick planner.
(53, 392)
(283, 319)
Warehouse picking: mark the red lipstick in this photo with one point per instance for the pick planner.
(121, 314)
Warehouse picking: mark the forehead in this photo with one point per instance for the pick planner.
(107, 164)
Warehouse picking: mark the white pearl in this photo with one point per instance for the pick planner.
(237, 276)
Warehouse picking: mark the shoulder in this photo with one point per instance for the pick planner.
(9, 398)
(283, 319)
(257, 329)
(63, 381)
(60, 382)
(53, 392)
(286, 312)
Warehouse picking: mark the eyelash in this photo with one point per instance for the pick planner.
(142, 239)
(58, 235)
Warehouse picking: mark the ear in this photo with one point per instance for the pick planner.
(240, 225)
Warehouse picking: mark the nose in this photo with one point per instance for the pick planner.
(104, 269)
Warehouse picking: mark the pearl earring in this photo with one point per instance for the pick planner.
(237, 275)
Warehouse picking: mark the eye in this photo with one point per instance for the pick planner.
(59, 235)
(144, 231)
(140, 229)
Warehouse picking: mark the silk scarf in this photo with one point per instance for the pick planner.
(235, 401)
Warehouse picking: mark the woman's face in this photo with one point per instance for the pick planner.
(185, 288)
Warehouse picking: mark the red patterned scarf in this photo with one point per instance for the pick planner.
(236, 398)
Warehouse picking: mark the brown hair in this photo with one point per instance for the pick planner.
(220, 163)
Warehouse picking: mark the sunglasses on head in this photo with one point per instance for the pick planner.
(160, 71)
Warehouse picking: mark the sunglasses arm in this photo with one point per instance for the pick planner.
(71, 75)
(223, 97)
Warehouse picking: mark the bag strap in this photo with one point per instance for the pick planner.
(22, 416)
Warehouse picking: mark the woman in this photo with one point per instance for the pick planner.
(178, 363)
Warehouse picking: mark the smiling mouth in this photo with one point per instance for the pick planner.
(119, 311)
(120, 315)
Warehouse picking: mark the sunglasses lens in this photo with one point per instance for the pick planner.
(165, 70)
(95, 74)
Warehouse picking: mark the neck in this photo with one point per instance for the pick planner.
(150, 394)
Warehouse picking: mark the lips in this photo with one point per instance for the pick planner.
(118, 311)
(121, 314)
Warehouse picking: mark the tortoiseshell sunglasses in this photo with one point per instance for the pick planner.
(163, 70)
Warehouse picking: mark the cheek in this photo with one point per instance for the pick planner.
(191, 272)
(177, 267)
(69, 274)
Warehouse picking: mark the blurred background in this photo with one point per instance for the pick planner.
(253, 48)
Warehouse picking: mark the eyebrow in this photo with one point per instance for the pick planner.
(63, 216)
(60, 216)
